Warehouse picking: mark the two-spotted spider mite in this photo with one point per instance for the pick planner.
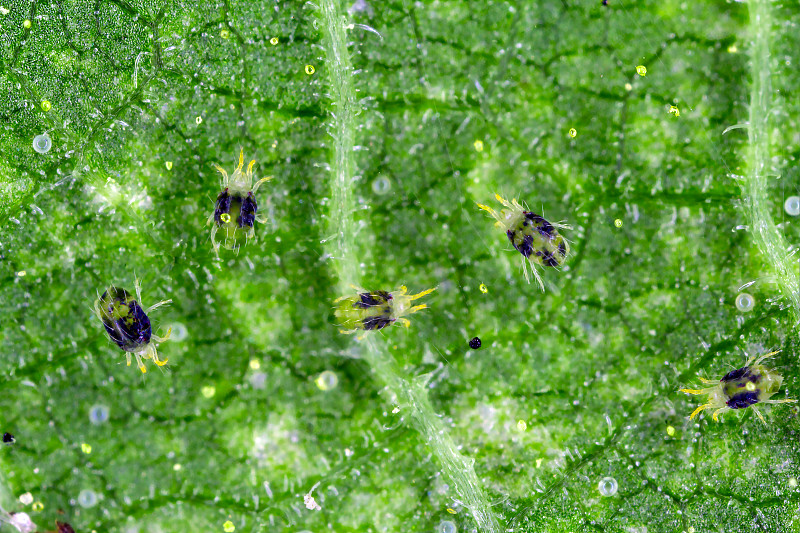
(741, 388)
(128, 325)
(535, 238)
(235, 211)
(373, 310)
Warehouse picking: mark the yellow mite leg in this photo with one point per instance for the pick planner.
(718, 412)
(159, 304)
(421, 294)
(488, 210)
(158, 361)
(241, 159)
(760, 416)
(141, 364)
(259, 182)
(404, 322)
(697, 391)
(415, 309)
(700, 408)
(788, 400)
(503, 201)
(765, 356)
(347, 331)
(224, 175)
(708, 381)
(128, 357)
(165, 337)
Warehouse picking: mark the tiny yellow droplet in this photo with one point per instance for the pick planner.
(169, 165)
(255, 364)
(310, 69)
(208, 391)
(538, 463)
(618, 223)
(274, 144)
(451, 511)
(641, 70)
(521, 425)
(228, 527)
(21, 273)
(86, 448)
(37, 506)
(198, 120)
(793, 482)
(732, 49)
(483, 288)
(628, 87)
(478, 146)
(46, 106)
(670, 431)
(176, 467)
(225, 217)
(674, 111)
(225, 34)
(573, 132)
(690, 530)
(273, 41)
(26, 24)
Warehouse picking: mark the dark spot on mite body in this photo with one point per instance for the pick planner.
(223, 207)
(743, 399)
(562, 249)
(549, 260)
(132, 332)
(745, 374)
(526, 248)
(544, 227)
(736, 374)
(376, 322)
(247, 214)
(8, 438)
(368, 300)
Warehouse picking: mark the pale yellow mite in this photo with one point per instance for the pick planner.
(744, 387)
(537, 239)
(128, 324)
(236, 209)
(374, 310)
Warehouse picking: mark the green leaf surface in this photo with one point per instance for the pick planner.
(382, 125)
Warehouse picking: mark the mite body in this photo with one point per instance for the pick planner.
(128, 325)
(744, 387)
(374, 310)
(536, 239)
(236, 208)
